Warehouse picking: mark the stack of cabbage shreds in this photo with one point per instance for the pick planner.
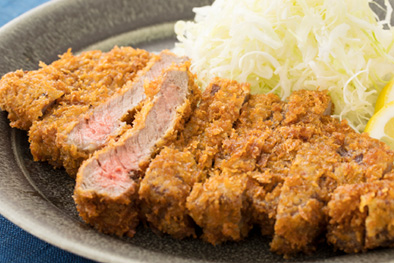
(287, 45)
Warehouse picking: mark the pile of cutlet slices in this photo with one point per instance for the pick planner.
(144, 143)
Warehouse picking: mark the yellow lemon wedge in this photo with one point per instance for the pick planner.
(385, 96)
(381, 125)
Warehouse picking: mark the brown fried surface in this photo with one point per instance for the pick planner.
(111, 215)
(300, 218)
(219, 206)
(222, 112)
(164, 189)
(290, 126)
(362, 216)
(26, 96)
(295, 156)
(259, 130)
(213, 120)
(320, 166)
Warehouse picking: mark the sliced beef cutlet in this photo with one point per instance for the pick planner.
(85, 79)
(107, 184)
(172, 174)
(93, 130)
(220, 207)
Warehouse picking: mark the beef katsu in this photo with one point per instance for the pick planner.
(146, 144)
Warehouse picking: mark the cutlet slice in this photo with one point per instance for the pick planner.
(94, 129)
(292, 124)
(88, 78)
(92, 78)
(214, 119)
(318, 169)
(361, 216)
(251, 138)
(283, 128)
(300, 218)
(106, 191)
(163, 191)
(220, 205)
(258, 115)
(374, 157)
(167, 183)
(26, 96)
(221, 208)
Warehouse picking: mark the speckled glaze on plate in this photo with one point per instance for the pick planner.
(39, 199)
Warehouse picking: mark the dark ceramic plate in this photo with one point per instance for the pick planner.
(38, 198)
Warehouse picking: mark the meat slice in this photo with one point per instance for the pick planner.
(361, 216)
(91, 78)
(318, 169)
(243, 151)
(214, 120)
(196, 147)
(299, 217)
(106, 191)
(304, 117)
(86, 79)
(164, 189)
(220, 207)
(108, 120)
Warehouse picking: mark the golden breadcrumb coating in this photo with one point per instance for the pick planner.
(361, 216)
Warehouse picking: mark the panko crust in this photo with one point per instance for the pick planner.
(361, 216)
(220, 207)
(164, 189)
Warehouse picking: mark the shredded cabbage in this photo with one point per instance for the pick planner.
(285, 45)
